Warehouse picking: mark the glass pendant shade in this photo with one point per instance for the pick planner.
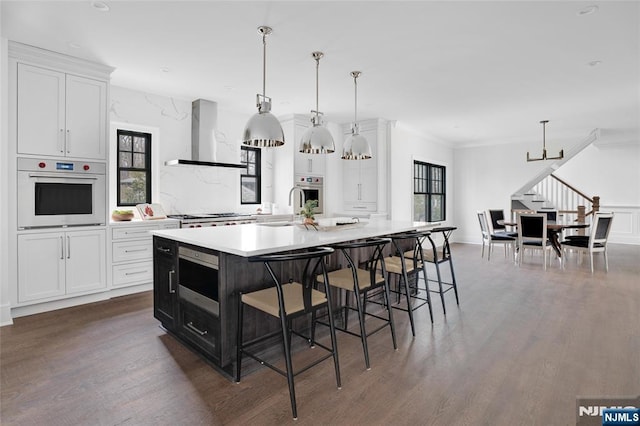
(263, 130)
(317, 139)
(356, 147)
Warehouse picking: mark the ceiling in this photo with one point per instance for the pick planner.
(464, 73)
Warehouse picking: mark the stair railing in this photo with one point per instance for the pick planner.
(567, 199)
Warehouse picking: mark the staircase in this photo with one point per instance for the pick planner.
(547, 191)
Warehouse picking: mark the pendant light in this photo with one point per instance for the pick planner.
(544, 147)
(356, 146)
(263, 129)
(317, 139)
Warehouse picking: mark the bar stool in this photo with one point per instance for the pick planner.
(359, 278)
(438, 255)
(402, 266)
(287, 301)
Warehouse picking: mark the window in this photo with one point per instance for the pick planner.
(250, 178)
(429, 192)
(134, 168)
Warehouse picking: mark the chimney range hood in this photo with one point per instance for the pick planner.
(204, 146)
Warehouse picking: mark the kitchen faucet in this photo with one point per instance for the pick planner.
(291, 191)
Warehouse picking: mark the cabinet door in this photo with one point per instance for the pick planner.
(85, 117)
(41, 266)
(351, 182)
(86, 261)
(165, 266)
(368, 184)
(41, 108)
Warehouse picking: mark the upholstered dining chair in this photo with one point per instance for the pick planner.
(489, 238)
(532, 234)
(596, 242)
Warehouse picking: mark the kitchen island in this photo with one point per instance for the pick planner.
(198, 273)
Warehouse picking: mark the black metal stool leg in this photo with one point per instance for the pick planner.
(286, 343)
(363, 333)
(408, 296)
(239, 339)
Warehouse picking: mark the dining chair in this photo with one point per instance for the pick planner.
(360, 279)
(552, 215)
(532, 234)
(287, 299)
(496, 223)
(489, 238)
(596, 242)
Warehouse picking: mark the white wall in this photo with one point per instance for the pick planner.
(188, 189)
(405, 147)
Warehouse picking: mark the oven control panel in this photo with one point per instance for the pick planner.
(59, 166)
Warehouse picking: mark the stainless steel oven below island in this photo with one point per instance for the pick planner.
(198, 273)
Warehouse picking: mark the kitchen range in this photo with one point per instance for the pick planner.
(199, 220)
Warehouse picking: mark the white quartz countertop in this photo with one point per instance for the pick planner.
(255, 239)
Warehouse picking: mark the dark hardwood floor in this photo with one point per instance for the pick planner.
(523, 344)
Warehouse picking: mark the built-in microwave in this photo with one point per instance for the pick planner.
(57, 193)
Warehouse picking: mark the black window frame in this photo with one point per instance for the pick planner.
(257, 163)
(430, 180)
(147, 161)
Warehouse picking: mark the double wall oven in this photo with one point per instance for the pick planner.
(58, 193)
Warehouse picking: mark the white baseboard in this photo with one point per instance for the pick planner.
(5, 315)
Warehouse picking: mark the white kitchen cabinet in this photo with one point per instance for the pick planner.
(132, 252)
(60, 264)
(306, 164)
(360, 177)
(60, 114)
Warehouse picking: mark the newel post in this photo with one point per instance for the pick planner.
(581, 218)
(596, 204)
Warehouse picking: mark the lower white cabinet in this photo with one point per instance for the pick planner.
(59, 264)
(132, 252)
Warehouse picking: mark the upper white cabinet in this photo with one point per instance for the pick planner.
(60, 104)
(60, 114)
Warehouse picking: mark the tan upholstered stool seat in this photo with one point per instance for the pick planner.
(394, 264)
(343, 278)
(427, 254)
(266, 300)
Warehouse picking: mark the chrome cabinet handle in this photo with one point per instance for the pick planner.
(136, 273)
(192, 327)
(164, 250)
(171, 274)
(68, 247)
(68, 142)
(133, 251)
(61, 140)
(61, 248)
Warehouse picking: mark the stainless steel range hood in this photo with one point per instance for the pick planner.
(204, 144)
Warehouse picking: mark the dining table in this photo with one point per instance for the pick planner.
(554, 229)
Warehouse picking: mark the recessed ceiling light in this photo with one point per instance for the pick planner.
(74, 45)
(164, 69)
(588, 10)
(101, 6)
(594, 63)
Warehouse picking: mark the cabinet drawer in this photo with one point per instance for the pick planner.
(200, 328)
(133, 273)
(132, 250)
(362, 207)
(129, 232)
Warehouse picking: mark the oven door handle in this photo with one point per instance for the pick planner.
(62, 177)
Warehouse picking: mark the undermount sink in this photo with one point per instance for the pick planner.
(276, 223)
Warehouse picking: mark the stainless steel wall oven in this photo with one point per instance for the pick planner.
(57, 193)
(312, 189)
